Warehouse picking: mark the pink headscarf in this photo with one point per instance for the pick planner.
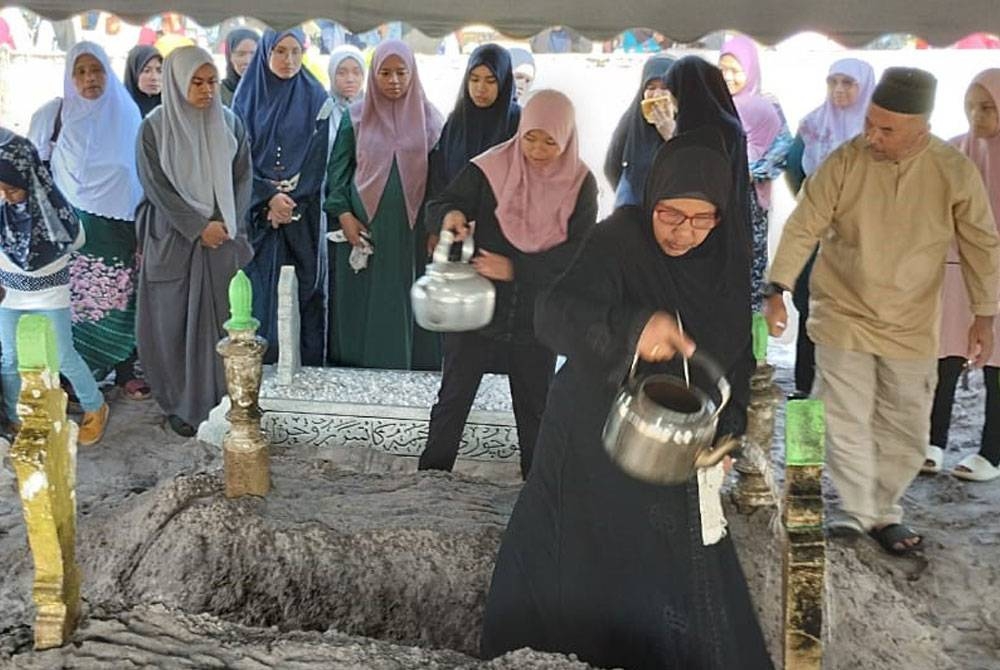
(534, 204)
(761, 121)
(828, 126)
(405, 129)
(985, 151)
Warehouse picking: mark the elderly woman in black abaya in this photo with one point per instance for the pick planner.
(621, 572)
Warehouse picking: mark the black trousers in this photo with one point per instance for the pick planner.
(467, 356)
(805, 349)
(949, 370)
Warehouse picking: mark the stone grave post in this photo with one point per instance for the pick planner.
(44, 458)
(804, 574)
(289, 326)
(755, 486)
(245, 448)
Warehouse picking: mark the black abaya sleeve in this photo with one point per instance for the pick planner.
(464, 193)
(586, 315)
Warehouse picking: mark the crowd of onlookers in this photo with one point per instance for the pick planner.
(132, 203)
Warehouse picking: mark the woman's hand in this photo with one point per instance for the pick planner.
(280, 209)
(456, 222)
(493, 266)
(352, 228)
(214, 234)
(661, 339)
(663, 120)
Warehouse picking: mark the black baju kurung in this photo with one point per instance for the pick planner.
(508, 343)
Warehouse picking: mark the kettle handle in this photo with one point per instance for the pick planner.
(714, 370)
(447, 239)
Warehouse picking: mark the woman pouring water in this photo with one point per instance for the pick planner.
(594, 562)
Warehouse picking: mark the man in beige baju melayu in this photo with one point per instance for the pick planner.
(885, 207)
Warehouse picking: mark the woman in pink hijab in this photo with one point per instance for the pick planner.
(982, 145)
(768, 142)
(376, 180)
(532, 200)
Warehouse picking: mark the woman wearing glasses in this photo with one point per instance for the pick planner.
(618, 571)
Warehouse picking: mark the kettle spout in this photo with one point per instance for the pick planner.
(708, 457)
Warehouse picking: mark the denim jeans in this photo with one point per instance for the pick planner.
(71, 365)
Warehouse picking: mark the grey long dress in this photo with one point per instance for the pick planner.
(183, 286)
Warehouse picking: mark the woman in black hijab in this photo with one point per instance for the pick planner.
(485, 115)
(703, 99)
(637, 140)
(144, 77)
(594, 562)
(240, 46)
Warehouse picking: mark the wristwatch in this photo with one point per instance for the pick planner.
(772, 288)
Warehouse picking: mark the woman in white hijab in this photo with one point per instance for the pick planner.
(89, 135)
(194, 163)
(347, 82)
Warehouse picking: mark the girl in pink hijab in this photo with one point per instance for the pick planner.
(531, 199)
(982, 145)
(376, 180)
(768, 142)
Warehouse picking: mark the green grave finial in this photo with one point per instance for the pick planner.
(240, 302)
(36, 344)
(759, 332)
(805, 432)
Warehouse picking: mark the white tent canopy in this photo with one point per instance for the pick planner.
(851, 22)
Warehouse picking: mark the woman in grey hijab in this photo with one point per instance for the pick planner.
(194, 164)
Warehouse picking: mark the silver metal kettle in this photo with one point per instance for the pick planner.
(660, 430)
(452, 296)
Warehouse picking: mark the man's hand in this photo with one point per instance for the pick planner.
(980, 340)
(776, 314)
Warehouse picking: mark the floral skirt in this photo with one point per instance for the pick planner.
(102, 293)
(758, 269)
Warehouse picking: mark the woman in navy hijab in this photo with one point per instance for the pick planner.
(286, 112)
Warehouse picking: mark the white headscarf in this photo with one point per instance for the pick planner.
(93, 162)
(196, 146)
(828, 126)
(338, 56)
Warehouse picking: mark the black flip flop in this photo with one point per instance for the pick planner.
(894, 533)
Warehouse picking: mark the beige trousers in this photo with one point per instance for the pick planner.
(877, 421)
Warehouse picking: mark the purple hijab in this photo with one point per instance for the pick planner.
(761, 121)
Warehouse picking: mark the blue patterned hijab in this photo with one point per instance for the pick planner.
(44, 227)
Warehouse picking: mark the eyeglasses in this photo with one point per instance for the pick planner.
(676, 218)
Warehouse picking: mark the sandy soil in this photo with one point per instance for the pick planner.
(939, 612)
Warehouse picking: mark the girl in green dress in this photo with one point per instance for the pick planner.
(376, 180)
